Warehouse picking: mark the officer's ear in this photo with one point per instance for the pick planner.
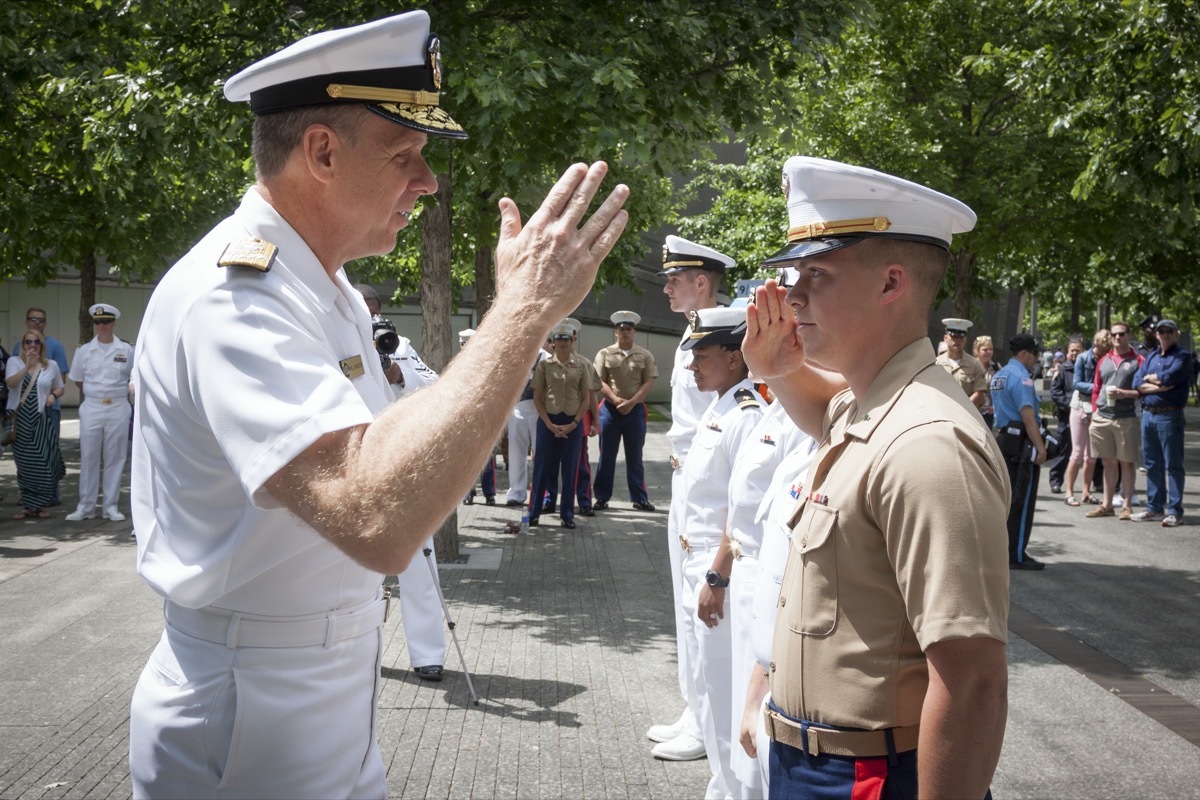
(318, 147)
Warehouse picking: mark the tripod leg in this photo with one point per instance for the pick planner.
(450, 623)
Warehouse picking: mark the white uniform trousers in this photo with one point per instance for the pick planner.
(103, 436)
(210, 721)
(522, 433)
(710, 655)
(421, 611)
(741, 622)
(675, 513)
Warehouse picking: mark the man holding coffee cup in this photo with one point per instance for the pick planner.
(1114, 433)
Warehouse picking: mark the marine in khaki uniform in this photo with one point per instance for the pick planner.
(888, 662)
(962, 366)
(627, 372)
(561, 388)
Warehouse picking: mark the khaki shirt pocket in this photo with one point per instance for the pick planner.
(815, 549)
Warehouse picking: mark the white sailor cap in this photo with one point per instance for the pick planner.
(393, 66)
(465, 333)
(563, 330)
(680, 254)
(956, 325)
(715, 326)
(103, 312)
(621, 319)
(575, 325)
(833, 205)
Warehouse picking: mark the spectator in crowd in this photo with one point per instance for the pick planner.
(35, 320)
(983, 350)
(1062, 392)
(1149, 342)
(1019, 434)
(1081, 418)
(1161, 381)
(1114, 429)
(34, 385)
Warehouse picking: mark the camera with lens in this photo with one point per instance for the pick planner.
(387, 341)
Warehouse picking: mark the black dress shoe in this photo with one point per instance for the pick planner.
(491, 501)
(643, 506)
(1056, 488)
(533, 522)
(514, 503)
(469, 500)
(433, 672)
(1029, 563)
(586, 512)
(568, 523)
(600, 506)
(549, 508)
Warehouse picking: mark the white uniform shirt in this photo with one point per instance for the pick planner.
(415, 372)
(688, 403)
(724, 428)
(772, 439)
(103, 369)
(238, 372)
(778, 503)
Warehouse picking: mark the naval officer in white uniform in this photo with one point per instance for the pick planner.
(101, 369)
(275, 482)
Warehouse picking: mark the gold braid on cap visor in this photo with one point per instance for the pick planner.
(817, 230)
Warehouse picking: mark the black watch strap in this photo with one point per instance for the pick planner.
(714, 579)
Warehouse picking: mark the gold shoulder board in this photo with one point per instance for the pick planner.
(252, 253)
(746, 399)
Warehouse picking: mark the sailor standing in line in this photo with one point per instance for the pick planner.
(627, 372)
(101, 369)
(693, 274)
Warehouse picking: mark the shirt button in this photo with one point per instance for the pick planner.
(782, 601)
(804, 542)
(772, 666)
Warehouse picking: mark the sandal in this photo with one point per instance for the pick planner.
(1071, 501)
(22, 514)
(41, 513)
(1091, 500)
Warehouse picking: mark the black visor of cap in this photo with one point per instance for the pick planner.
(719, 336)
(806, 248)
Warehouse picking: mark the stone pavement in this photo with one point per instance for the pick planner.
(568, 637)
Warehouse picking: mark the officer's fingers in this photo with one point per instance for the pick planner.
(510, 221)
(604, 227)
(560, 194)
(583, 192)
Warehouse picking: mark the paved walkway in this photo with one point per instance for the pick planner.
(569, 642)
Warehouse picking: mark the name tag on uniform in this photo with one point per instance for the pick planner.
(712, 426)
(766, 439)
(352, 367)
(120, 358)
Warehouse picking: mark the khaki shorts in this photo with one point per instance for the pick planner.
(1115, 438)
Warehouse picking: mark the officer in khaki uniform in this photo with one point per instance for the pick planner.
(888, 656)
(627, 372)
(965, 368)
(561, 387)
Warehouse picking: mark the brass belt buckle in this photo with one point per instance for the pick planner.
(675, 463)
(735, 547)
(107, 401)
(684, 543)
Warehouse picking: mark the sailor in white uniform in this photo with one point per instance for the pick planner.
(101, 369)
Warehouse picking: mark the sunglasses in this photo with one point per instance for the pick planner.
(35, 319)
(28, 342)
(956, 335)
(1166, 330)
(1120, 333)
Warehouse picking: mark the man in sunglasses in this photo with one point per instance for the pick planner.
(962, 366)
(1162, 384)
(1114, 431)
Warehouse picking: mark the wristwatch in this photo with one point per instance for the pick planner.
(714, 579)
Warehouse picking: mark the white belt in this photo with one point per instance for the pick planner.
(234, 629)
(108, 401)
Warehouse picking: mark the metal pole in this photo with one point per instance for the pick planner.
(449, 622)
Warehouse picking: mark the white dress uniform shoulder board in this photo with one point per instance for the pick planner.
(746, 399)
(252, 253)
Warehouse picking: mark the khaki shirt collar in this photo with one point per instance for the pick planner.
(866, 414)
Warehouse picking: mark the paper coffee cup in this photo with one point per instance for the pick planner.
(1108, 393)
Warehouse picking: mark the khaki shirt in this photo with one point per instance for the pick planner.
(562, 387)
(969, 373)
(899, 541)
(625, 374)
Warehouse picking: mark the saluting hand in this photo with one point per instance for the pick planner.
(550, 262)
(772, 346)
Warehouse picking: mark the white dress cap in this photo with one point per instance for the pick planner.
(956, 324)
(464, 334)
(562, 330)
(103, 312)
(833, 205)
(575, 325)
(680, 254)
(715, 326)
(393, 66)
(629, 318)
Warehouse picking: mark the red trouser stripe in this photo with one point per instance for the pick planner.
(869, 777)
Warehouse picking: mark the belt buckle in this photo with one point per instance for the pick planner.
(735, 547)
(107, 401)
(675, 463)
(684, 543)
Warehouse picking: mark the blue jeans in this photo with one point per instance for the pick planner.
(1162, 440)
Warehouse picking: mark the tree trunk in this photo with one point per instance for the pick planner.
(87, 297)
(963, 264)
(485, 273)
(436, 298)
(1076, 311)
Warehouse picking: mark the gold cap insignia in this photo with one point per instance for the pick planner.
(435, 61)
